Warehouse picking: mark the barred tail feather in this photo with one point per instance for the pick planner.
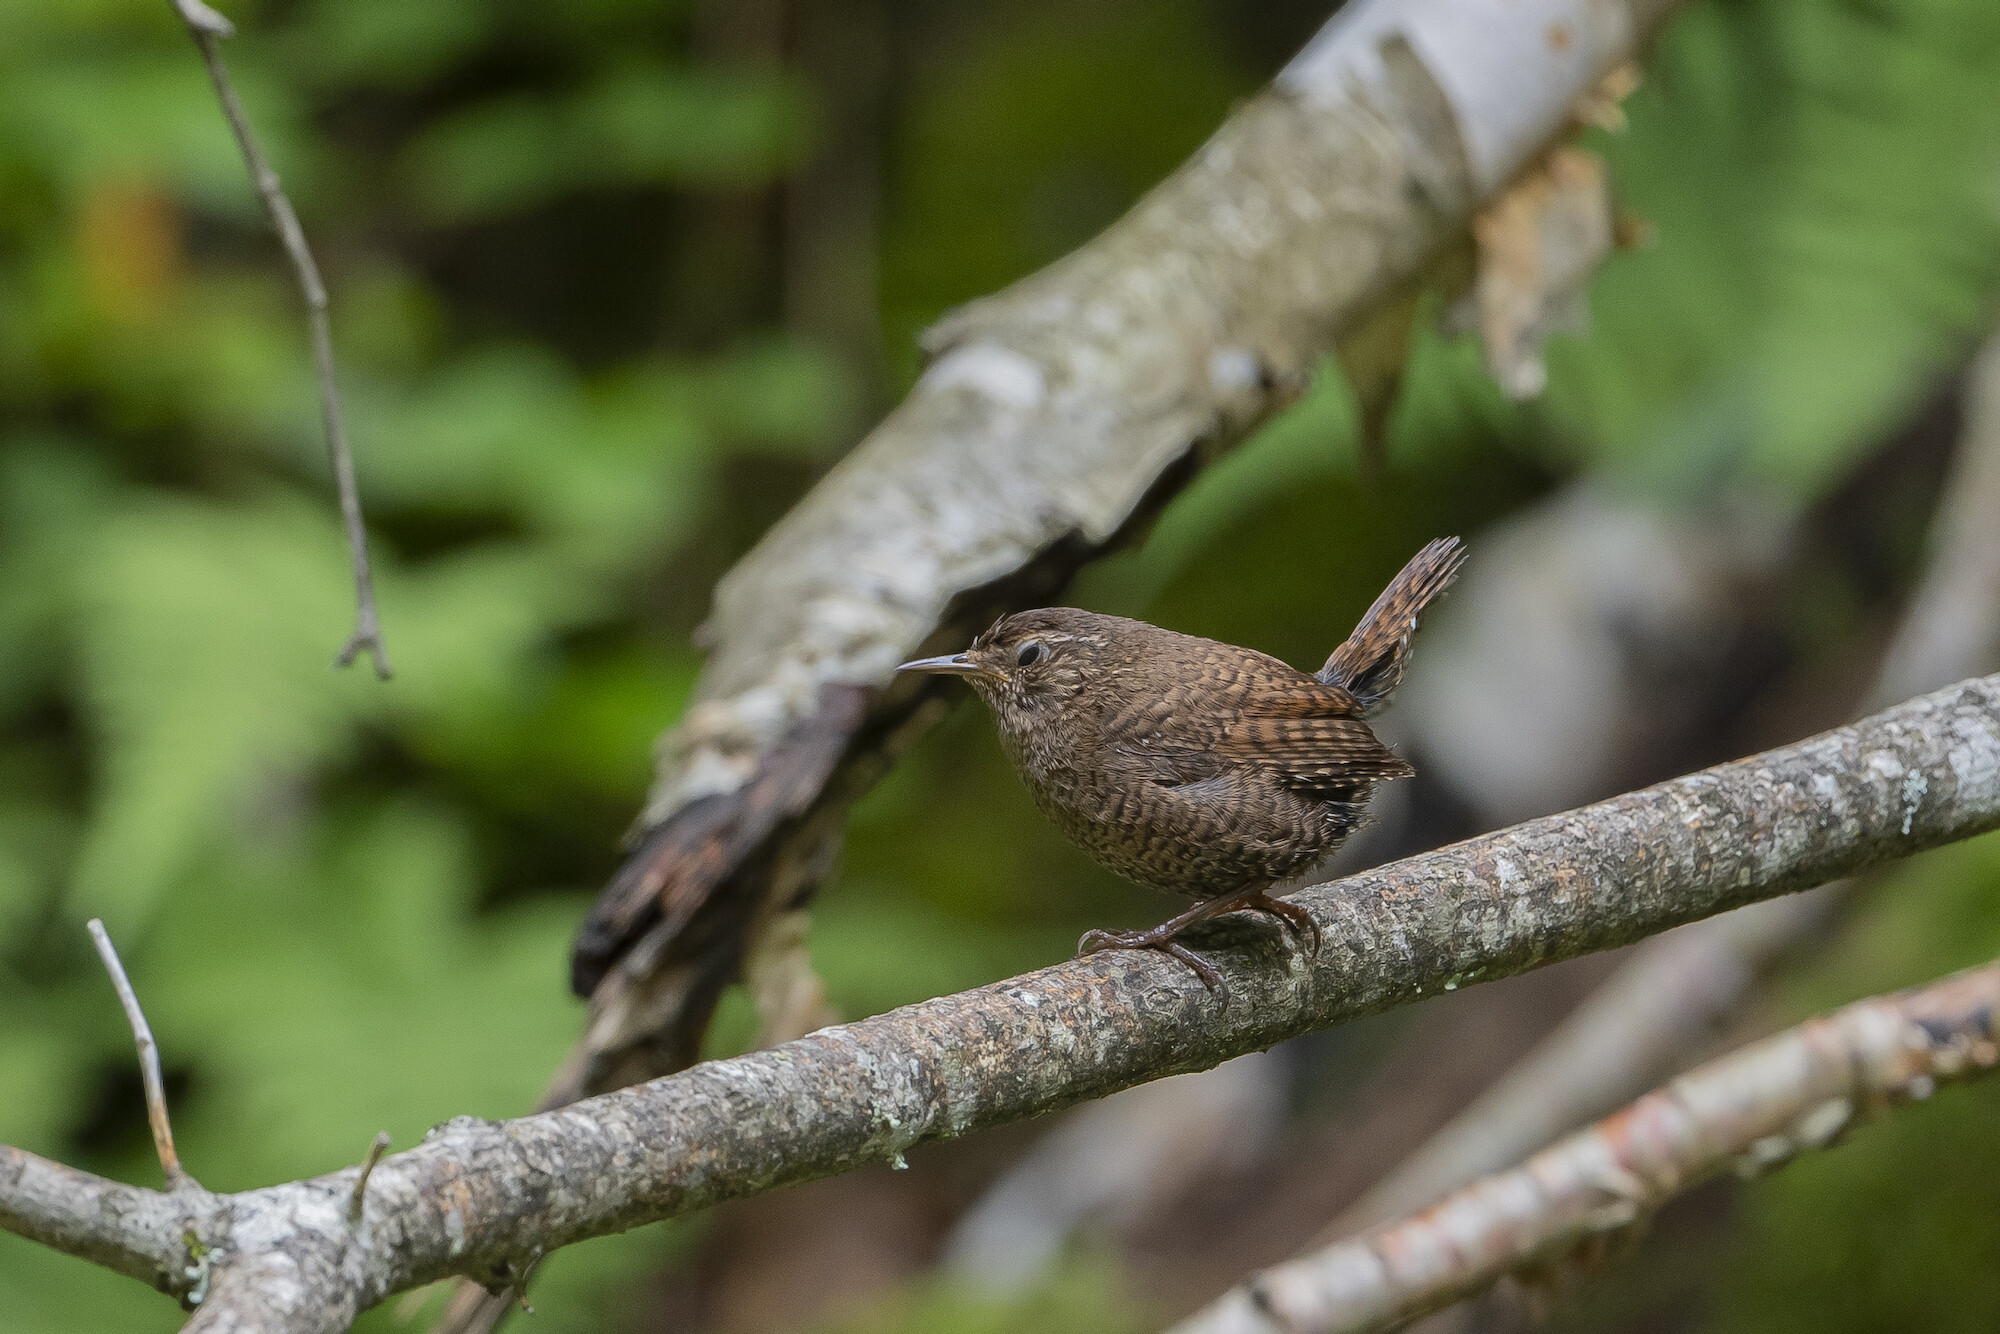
(1370, 663)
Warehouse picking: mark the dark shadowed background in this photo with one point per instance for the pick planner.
(613, 282)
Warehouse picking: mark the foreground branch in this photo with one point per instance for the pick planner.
(208, 28)
(1753, 1109)
(126, 1229)
(488, 1199)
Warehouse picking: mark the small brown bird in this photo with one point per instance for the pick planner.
(1197, 767)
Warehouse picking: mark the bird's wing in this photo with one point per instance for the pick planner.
(1161, 736)
(1311, 734)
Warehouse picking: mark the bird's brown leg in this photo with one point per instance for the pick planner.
(1161, 937)
(1294, 918)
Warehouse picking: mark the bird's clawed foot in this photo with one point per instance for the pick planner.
(1290, 915)
(1157, 939)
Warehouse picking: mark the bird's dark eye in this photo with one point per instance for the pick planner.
(1030, 653)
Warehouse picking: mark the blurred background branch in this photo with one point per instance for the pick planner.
(1755, 1109)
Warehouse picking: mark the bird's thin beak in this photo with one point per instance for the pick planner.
(956, 664)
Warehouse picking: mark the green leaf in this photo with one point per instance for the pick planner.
(207, 639)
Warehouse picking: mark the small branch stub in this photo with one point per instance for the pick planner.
(356, 1203)
(149, 1058)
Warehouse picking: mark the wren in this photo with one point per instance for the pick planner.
(1193, 766)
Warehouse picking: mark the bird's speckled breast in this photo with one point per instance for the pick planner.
(1201, 838)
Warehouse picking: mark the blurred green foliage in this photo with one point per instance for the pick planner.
(575, 401)
(1085, 1295)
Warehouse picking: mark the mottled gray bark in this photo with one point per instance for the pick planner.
(486, 1199)
(123, 1228)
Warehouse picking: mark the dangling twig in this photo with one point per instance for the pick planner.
(208, 29)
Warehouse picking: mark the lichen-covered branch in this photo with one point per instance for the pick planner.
(487, 1199)
(1055, 417)
(1753, 1110)
(126, 1229)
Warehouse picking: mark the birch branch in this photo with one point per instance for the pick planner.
(488, 1199)
(1056, 418)
(1670, 997)
(208, 28)
(1752, 1110)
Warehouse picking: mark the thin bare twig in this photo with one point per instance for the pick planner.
(376, 1149)
(149, 1058)
(208, 28)
(1753, 1109)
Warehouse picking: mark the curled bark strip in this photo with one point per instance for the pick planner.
(1054, 418)
(1753, 1110)
(679, 862)
(487, 1199)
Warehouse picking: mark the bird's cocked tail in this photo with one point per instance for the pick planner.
(1370, 663)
